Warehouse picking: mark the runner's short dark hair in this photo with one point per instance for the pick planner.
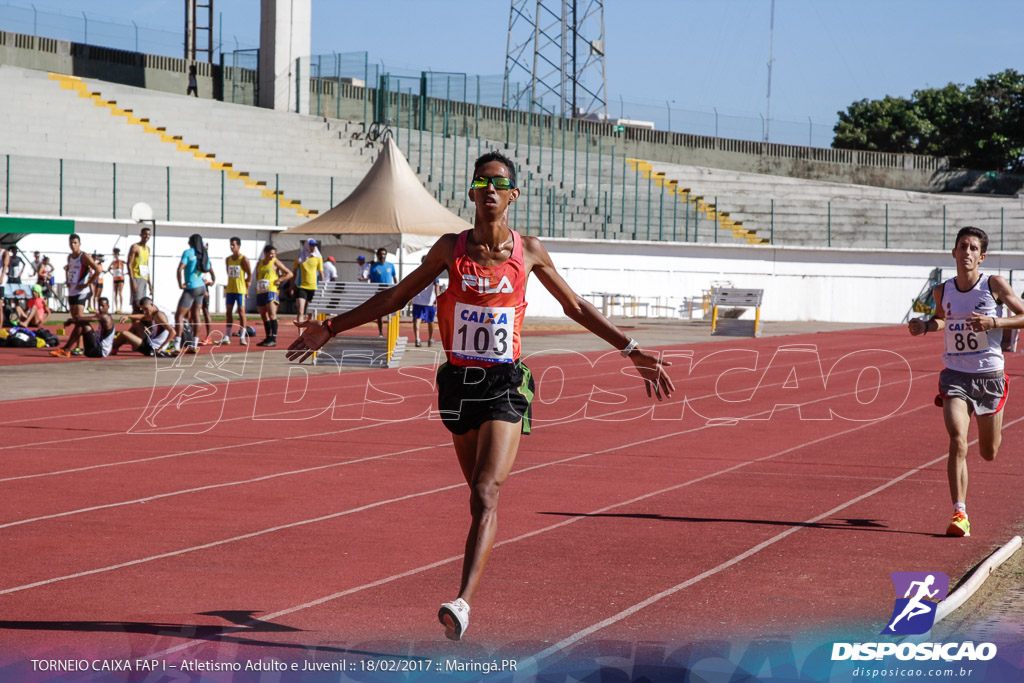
(145, 301)
(235, 240)
(971, 231)
(499, 157)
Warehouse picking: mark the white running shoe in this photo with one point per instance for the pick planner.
(455, 618)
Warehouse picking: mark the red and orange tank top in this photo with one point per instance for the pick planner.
(480, 315)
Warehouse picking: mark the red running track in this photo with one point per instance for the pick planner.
(236, 526)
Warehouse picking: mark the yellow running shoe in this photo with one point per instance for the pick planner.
(959, 526)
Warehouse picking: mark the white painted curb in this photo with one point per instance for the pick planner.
(971, 585)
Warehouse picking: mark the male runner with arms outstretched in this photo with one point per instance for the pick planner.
(480, 317)
(968, 308)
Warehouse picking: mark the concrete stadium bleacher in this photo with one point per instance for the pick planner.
(69, 155)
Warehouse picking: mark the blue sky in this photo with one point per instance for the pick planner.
(682, 55)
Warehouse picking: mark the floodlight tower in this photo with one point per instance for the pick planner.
(198, 18)
(556, 47)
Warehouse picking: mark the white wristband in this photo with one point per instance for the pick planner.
(629, 348)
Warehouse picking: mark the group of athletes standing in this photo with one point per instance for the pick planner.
(152, 331)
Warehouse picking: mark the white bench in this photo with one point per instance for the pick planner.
(338, 297)
(736, 298)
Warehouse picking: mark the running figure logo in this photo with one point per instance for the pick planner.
(914, 612)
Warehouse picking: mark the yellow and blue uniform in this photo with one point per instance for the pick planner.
(266, 283)
(235, 290)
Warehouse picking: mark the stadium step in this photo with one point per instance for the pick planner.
(709, 209)
(76, 84)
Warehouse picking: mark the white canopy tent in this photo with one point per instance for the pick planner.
(390, 208)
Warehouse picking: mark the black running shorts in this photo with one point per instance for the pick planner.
(469, 396)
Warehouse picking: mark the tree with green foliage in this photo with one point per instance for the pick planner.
(979, 126)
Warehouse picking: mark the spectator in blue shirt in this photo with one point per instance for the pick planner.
(382, 272)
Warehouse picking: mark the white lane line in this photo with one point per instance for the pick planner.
(105, 435)
(536, 532)
(192, 490)
(211, 487)
(551, 463)
(368, 426)
(630, 611)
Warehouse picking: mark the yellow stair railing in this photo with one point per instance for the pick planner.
(686, 196)
(78, 85)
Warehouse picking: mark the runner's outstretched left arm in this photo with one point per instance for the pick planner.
(651, 368)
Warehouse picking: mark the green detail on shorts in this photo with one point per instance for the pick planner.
(524, 389)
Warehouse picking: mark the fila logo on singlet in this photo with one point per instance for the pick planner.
(482, 284)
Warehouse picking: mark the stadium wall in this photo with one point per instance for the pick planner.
(799, 283)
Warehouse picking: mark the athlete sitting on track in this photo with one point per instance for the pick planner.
(484, 391)
(151, 332)
(95, 347)
(968, 307)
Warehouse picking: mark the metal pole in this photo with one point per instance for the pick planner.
(611, 183)
(540, 139)
(543, 206)
(661, 213)
(575, 147)
(332, 193)
(455, 154)
(636, 200)
(562, 180)
(600, 138)
(716, 220)
(650, 176)
(529, 135)
(529, 216)
(606, 212)
(444, 135)
(430, 176)
(675, 207)
(586, 170)
(113, 209)
(337, 88)
(686, 225)
(623, 192)
(277, 204)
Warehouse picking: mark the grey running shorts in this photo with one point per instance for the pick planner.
(984, 392)
(192, 297)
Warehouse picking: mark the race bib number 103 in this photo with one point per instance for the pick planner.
(483, 333)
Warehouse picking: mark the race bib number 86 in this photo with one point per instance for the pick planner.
(961, 340)
(483, 333)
